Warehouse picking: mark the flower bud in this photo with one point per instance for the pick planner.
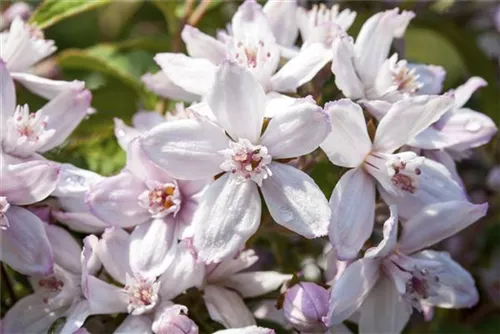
(305, 306)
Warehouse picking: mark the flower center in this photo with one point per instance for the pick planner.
(397, 171)
(252, 55)
(51, 283)
(4, 206)
(142, 294)
(26, 132)
(405, 79)
(422, 285)
(247, 160)
(161, 199)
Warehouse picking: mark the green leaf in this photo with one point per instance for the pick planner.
(53, 11)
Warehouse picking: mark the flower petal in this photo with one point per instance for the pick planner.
(353, 209)
(8, 96)
(187, 149)
(301, 68)
(407, 118)
(226, 268)
(351, 289)
(390, 236)
(161, 85)
(142, 167)
(75, 317)
(296, 130)
(74, 182)
(113, 250)
(238, 102)
(226, 307)
(463, 93)
(194, 75)
(105, 298)
(283, 20)
(346, 77)
(65, 248)
(431, 76)
(200, 45)
(348, 142)
(255, 283)
(437, 222)
(295, 201)
(384, 311)
(124, 133)
(227, 216)
(44, 87)
(135, 324)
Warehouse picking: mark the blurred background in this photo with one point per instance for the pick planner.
(112, 45)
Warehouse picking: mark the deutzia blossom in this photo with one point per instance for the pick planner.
(282, 17)
(230, 143)
(364, 71)
(397, 275)
(404, 178)
(250, 43)
(226, 284)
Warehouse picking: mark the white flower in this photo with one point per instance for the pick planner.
(396, 275)
(404, 178)
(228, 141)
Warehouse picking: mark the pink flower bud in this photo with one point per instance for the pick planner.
(305, 306)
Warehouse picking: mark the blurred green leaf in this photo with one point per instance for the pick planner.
(53, 11)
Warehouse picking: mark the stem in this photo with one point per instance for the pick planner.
(6, 281)
(198, 12)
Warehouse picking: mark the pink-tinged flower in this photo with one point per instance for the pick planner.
(228, 142)
(405, 179)
(23, 133)
(247, 330)
(282, 17)
(25, 246)
(250, 43)
(153, 269)
(226, 285)
(364, 71)
(21, 9)
(71, 190)
(70, 291)
(147, 191)
(397, 275)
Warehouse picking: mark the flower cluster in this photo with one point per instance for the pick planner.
(197, 182)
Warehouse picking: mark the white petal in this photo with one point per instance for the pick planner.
(46, 88)
(7, 95)
(295, 201)
(456, 287)
(200, 45)
(301, 68)
(446, 159)
(377, 108)
(346, 77)
(226, 307)
(105, 298)
(75, 317)
(296, 130)
(407, 118)
(135, 324)
(463, 93)
(282, 18)
(65, 248)
(390, 236)
(375, 38)
(255, 283)
(348, 143)
(187, 149)
(124, 133)
(384, 311)
(74, 182)
(194, 75)
(113, 251)
(144, 120)
(150, 247)
(238, 102)
(437, 222)
(250, 24)
(229, 267)
(160, 84)
(431, 76)
(228, 215)
(353, 209)
(246, 330)
(351, 289)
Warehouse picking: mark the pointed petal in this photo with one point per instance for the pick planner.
(161, 85)
(113, 250)
(283, 20)
(407, 118)
(238, 102)
(65, 248)
(139, 164)
(200, 45)
(431, 76)
(115, 200)
(151, 247)
(437, 222)
(76, 316)
(25, 246)
(182, 147)
(445, 158)
(74, 182)
(348, 143)
(7, 94)
(28, 182)
(227, 216)
(390, 236)
(89, 260)
(255, 283)
(301, 68)
(351, 289)
(353, 209)
(194, 75)
(135, 324)
(463, 93)
(229, 267)
(44, 87)
(226, 307)
(295, 201)
(346, 77)
(124, 133)
(456, 286)
(105, 298)
(384, 311)
(296, 130)
(144, 120)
